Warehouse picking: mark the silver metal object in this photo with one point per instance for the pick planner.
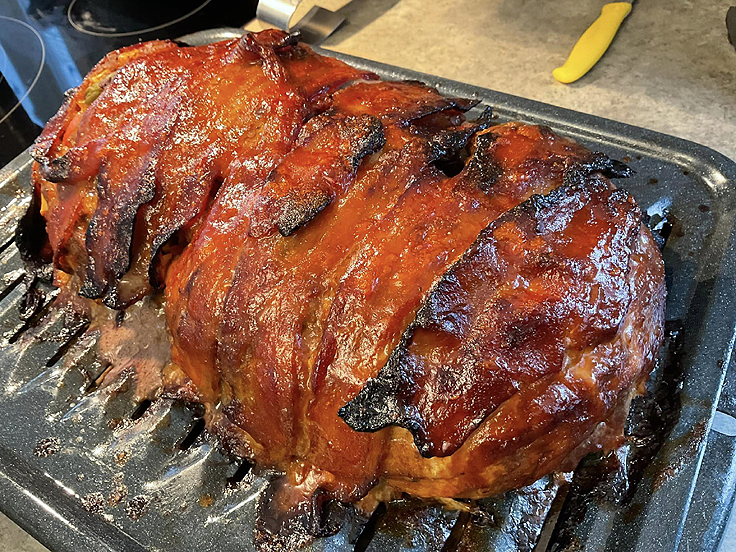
(200, 38)
(315, 26)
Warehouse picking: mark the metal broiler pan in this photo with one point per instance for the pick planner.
(157, 482)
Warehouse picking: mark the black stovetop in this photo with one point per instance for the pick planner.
(47, 46)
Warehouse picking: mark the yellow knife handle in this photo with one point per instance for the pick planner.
(593, 43)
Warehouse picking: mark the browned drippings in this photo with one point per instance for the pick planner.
(121, 457)
(206, 500)
(47, 447)
(137, 506)
(682, 451)
(94, 503)
(119, 491)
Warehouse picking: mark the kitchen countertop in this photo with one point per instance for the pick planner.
(670, 69)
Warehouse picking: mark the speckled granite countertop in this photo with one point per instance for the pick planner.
(670, 69)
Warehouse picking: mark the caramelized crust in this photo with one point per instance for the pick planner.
(540, 285)
(158, 139)
(367, 290)
(540, 428)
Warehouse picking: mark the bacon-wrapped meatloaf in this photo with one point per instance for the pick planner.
(369, 290)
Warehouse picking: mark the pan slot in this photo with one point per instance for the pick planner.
(6, 243)
(11, 284)
(141, 409)
(195, 431)
(96, 381)
(77, 367)
(14, 210)
(457, 532)
(35, 318)
(550, 521)
(369, 530)
(56, 357)
(243, 470)
(660, 220)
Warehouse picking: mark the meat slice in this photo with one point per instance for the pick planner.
(553, 422)
(281, 277)
(64, 171)
(538, 287)
(156, 142)
(394, 267)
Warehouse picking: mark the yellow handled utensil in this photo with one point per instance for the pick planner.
(593, 43)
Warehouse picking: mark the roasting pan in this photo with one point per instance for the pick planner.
(82, 469)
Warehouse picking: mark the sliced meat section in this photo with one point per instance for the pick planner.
(324, 161)
(553, 422)
(394, 267)
(202, 276)
(158, 131)
(537, 288)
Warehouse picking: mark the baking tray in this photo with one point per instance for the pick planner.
(155, 482)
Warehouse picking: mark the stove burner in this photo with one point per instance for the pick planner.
(22, 55)
(118, 18)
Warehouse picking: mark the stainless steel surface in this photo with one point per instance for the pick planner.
(212, 35)
(315, 26)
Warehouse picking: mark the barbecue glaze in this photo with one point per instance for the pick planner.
(370, 292)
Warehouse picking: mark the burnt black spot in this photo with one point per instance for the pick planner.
(378, 404)
(482, 169)
(446, 144)
(463, 104)
(365, 135)
(57, 170)
(33, 241)
(290, 39)
(597, 162)
(297, 213)
(92, 288)
(109, 235)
